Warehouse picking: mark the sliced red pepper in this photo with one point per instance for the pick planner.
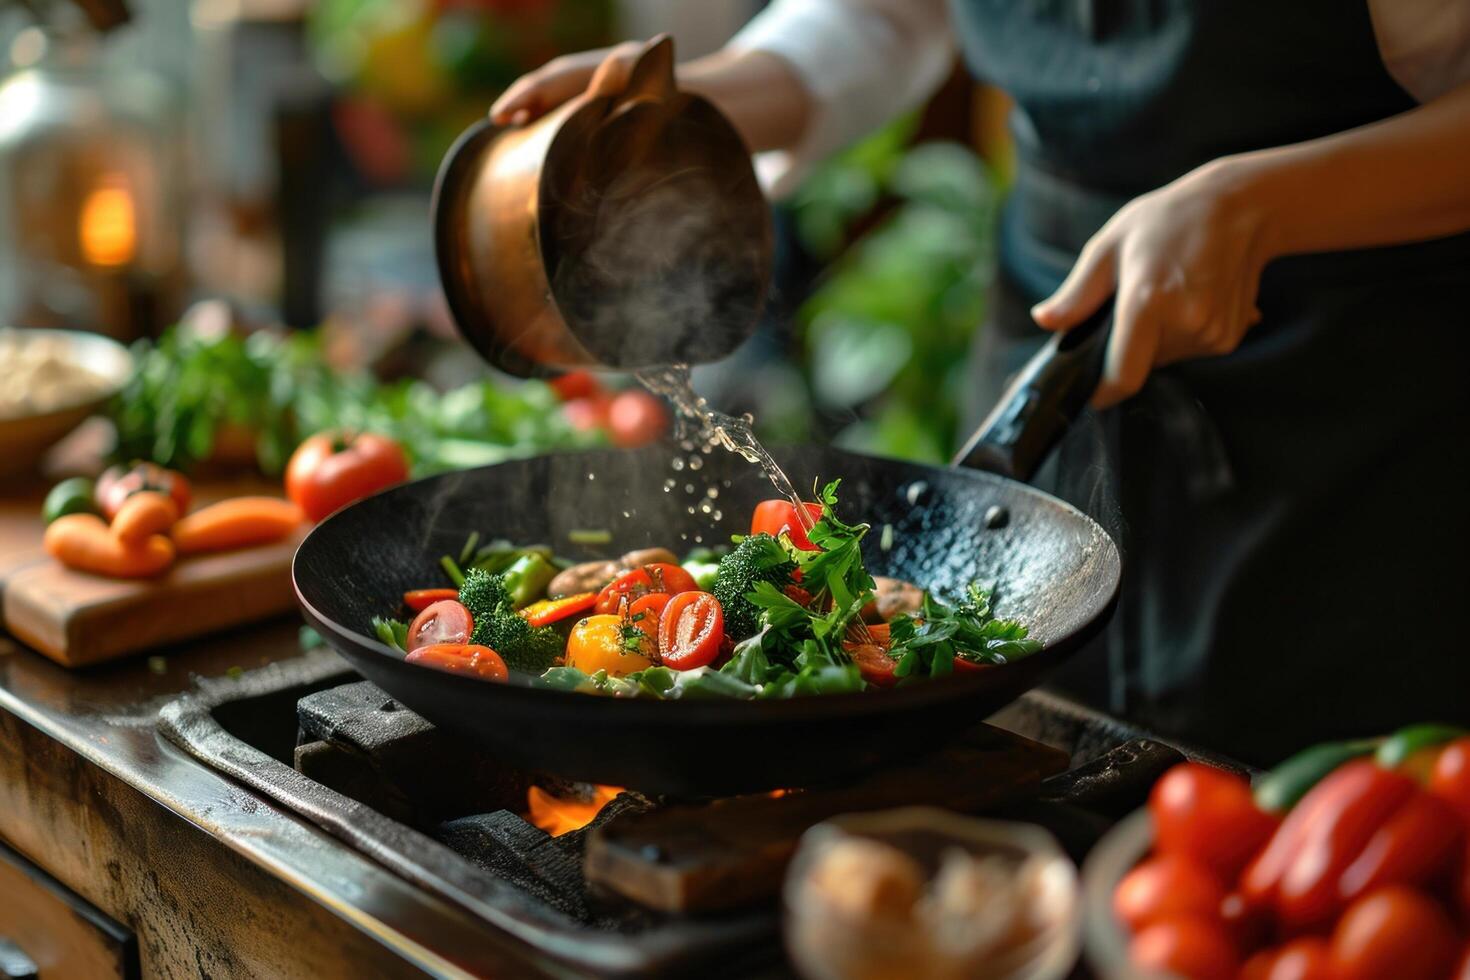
(643, 614)
(1407, 849)
(548, 611)
(963, 665)
(873, 662)
(798, 595)
(420, 599)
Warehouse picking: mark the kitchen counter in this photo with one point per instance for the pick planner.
(212, 879)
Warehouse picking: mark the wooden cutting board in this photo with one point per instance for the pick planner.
(76, 618)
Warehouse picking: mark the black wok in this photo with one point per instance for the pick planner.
(1053, 568)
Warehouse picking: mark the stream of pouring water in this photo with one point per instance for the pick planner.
(716, 428)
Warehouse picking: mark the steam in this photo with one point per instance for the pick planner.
(658, 269)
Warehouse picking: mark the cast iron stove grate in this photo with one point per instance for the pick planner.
(335, 749)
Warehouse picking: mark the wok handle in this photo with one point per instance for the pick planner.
(1042, 401)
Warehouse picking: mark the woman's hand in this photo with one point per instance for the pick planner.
(538, 92)
(1185, 261)
(757, 91)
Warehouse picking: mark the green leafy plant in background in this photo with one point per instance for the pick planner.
(192, 393)
(886, 333)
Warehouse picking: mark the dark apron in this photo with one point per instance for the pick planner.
(1293, 517)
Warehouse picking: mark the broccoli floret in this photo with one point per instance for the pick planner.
(758, 558)
(498, 626)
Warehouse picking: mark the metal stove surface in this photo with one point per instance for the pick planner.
(311, 736)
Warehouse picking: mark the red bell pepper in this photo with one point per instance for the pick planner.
(1406, 849)
(1301, 870)
(1450, 779)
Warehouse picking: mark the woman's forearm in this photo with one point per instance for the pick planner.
(759, 92)
(1406, 178)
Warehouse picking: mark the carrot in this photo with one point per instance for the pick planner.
(236, 523)
(83, 542)
(144, 513)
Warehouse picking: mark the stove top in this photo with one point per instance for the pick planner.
(648, 887)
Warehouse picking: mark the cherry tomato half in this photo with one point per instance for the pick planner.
(645, 612)
(445, 621)
(420, 599)
(331, 470)
(691, 630)
(777, 517)
(655, 577)
(1186, 946)
(461, 658)
(1394, 933)
(118, 483)
(1164, 885)
(1209, 815)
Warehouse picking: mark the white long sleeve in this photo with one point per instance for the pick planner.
(863, 62)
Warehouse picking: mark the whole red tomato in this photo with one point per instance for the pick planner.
(1168, 884)
(636, 418)
(1209, 815)
(778, 517)
(1307, 958)
(331, 470)
(1394, 933)
(118, 483)
(1186, 946)
(586, 414)
(575, 384)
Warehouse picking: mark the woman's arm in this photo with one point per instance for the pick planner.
(804, 78)
(1185, 260)
(759, 92)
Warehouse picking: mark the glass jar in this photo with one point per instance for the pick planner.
(924, 892)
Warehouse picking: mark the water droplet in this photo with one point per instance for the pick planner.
(668, 484)
(717, 515)
(699, 539)
(997, 516)
(591, 476)
(627, 513)
(690, 508)
(916, 491)
(688, 488)
(695, 462)
(678, 463)
(705, 507)
(712, 492)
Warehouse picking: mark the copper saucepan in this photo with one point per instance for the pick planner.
(624, 229)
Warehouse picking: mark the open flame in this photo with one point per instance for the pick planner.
(561, 815)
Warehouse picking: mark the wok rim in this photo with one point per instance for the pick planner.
(727, 711)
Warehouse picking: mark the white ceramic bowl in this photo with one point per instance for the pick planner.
(24, 439)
